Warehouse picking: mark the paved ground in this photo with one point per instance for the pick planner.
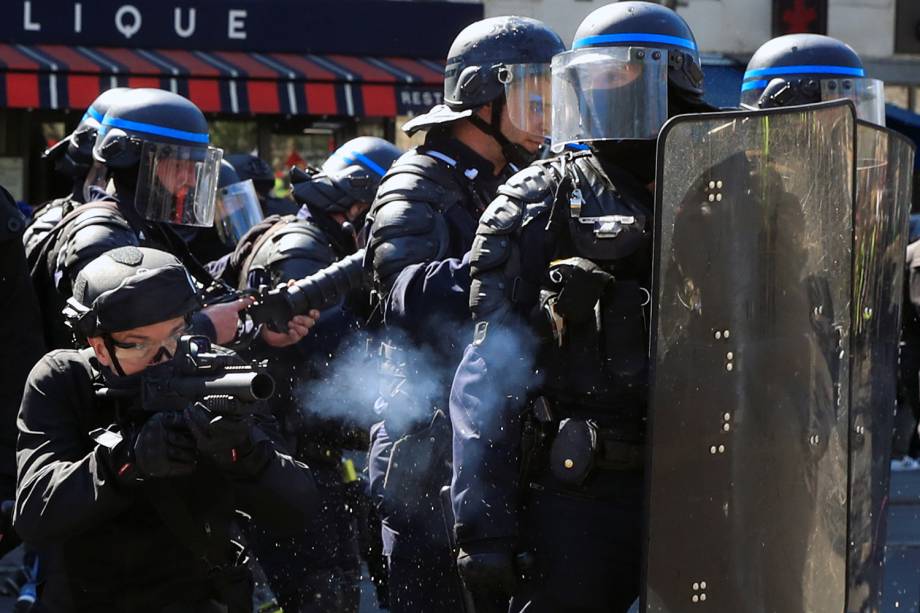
(902, 563)
(902, 555)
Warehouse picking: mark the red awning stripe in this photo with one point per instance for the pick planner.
(43, 61)
(401, 75)
(56, 76)
(69, 59)
(365, 71)
(332, 67)
(165, 65)
(308, 71)
(223, 68)
(107, 65)
(226, 64)
(246, 65)
(22, 89)
(131, 61)
(12, 59)
(189, 63)
(422, 71)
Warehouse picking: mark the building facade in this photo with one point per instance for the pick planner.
(287, 79)
(886, 33)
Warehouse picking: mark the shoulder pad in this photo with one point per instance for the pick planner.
(91, 234)
(299, 240)
(295, 250)
(405, 233)
(49, 216)
(535, 183)
(503, 216)
(419, 177)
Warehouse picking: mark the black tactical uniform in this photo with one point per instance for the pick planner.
(73, 157)
(320, 569)
(422, 227)
(91, 229)
(548, 405)
(140, 522)
(21, 343)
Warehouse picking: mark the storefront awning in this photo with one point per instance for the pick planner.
(62, 77)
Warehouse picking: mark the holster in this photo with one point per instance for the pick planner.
(569, 450)
(418, 466)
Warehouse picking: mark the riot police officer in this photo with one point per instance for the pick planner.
(236, 210)
(140, 501)
(154, 145)
(319, 570)
(548, 404)
(263, 177)
(809, 68)
(422, 225)
(73, 157)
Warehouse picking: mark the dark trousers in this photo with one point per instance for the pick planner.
(318, 570)
(586, 549)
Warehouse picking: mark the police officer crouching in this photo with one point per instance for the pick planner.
(137, 502)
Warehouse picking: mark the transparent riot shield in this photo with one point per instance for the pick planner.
(884, 168)
(748, 430)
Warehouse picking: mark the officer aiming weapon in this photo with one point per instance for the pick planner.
(276, 307)
(197, 373)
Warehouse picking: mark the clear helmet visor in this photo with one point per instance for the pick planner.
(609, 93)
(529, 97)
(178, 183)
(236, 211)
(868, 95)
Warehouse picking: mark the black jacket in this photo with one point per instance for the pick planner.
(21, 342)
(119, 553)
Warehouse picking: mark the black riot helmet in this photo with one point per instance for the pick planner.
(127, 288)
(249, 166)
(156, 144)
(632, 65)
(351, 175)
(500, 60)
(808, 68)
(73, 155)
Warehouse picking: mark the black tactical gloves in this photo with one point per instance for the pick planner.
(227, 440)
(162, 447)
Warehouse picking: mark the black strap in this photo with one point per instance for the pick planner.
(39, 255)
(256, 245)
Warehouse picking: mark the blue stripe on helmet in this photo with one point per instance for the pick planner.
(366, 161)
(754, 85)
(637, 37)
(91, 112)
(149, 128)
(812, 69)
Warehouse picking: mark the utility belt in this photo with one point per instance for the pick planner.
(566, 445)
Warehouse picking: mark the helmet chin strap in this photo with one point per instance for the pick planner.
(514, 153)
(110, 347)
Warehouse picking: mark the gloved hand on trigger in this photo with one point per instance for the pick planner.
(162, 447)
(226, 439)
